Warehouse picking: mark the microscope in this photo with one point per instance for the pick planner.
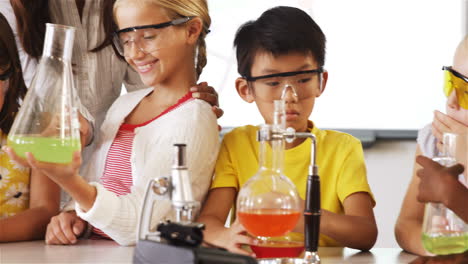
(177, 241)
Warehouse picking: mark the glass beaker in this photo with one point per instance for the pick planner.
(47, 123)
(443, 231)
(268, 204)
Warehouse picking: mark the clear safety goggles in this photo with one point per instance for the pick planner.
(301, 84)
(148, 38)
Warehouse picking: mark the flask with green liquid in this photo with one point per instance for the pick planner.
(47, 123)
(443, 231)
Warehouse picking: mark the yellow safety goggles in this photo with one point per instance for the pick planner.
(456, 81)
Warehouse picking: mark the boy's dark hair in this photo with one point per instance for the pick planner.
(279, 30)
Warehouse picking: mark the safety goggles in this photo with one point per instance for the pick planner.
(147, 39)
(456, 81)
(302, 84)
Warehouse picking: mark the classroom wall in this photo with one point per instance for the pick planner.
(383, 58)
(390, 165)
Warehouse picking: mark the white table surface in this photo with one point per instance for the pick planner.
(104, 251)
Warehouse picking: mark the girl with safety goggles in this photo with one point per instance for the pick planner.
(164, 42)
(409, 223)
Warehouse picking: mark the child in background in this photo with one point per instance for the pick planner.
(408, 228)
(28, 199)
(164, 42)
(284, 46)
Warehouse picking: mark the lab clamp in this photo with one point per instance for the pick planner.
(312, 210)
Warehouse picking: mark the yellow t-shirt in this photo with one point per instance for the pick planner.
(14, 184)
(340, 160)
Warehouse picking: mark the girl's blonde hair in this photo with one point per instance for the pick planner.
(183, 8)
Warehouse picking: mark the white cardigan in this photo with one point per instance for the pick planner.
(192, 123)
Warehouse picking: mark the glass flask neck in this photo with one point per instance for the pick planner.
(58, 41)
(273, 160)
(449, 145)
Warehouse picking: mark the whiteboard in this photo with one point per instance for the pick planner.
(384, 59)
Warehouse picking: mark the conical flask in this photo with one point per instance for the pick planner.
(47, 123)
(268, 204)
(443, 231)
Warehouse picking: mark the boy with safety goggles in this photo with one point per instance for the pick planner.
(281, 55)
(409, 223)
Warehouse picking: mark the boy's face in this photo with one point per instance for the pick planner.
(301, 91)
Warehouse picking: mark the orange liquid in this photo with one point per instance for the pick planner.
(278, 250)
(269, 222)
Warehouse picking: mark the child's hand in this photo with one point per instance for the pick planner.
(436, 180)
(64, 229)
(208, 94)
(11, 153)
(443, 123)
(233, 238)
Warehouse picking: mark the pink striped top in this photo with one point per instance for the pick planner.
(117, 176)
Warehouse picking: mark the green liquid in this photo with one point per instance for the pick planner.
(445, 245)
(53, 150)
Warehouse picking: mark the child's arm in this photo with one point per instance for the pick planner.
(355, 227)
(408, 227)
(214, 214)
(44, 202)
(358, 218)
(117, 216)
(66, 176)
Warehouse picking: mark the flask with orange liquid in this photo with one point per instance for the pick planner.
(268, 205)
